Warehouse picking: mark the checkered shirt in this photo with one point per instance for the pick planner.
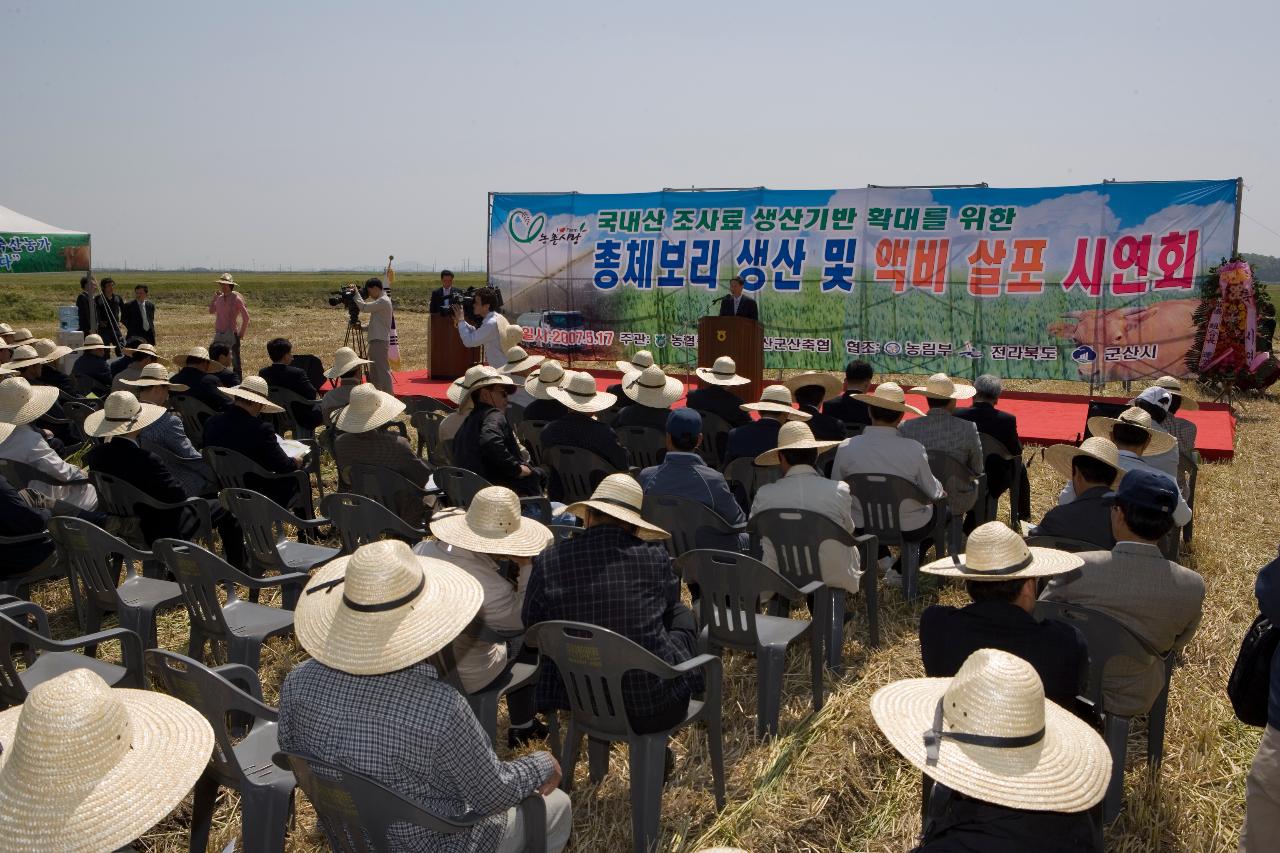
(1183, 430)
(414, 734)
(940, 430)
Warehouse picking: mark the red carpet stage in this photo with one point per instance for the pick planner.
(1042, 418)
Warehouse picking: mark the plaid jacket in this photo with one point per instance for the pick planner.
(608, 577)
(414, 734)
(940, 430)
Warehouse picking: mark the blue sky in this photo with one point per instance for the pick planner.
(320, 134)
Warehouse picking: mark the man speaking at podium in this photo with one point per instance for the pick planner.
(737, 304)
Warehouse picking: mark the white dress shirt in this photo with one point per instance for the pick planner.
(486, 335)
(1130, 461)
(881, 450)
(27, 444)
(804, 488)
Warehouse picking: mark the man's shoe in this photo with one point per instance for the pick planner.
(519, 737)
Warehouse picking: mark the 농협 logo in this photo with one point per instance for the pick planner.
(523, 226)
(1084, 354)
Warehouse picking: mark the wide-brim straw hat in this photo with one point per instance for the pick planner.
(201, 353)
(23, 355)
(620, 496)
(6, 430)
(254, 390)
(888, 395)
(148, 349)
(6, 329)
(794, 435)
(384, 608)
(776, 398)
(367, 409)
(578, 392)
(153, 375)
(492, 524)
(994, 552)
(832, 385)
(1173, 385)
(939, 386)
(518, 361)
(48, 350)
(88, 768)
(652, 387)
(509, 334)
(639, 360)
(21, 402)
(476, 377)
(550, 375)
(121, 414)
(1060, 456)
(91, 342)
(225, 278)
(22, 336)
(723, 372)
(345, 359)
(1161, 442)
(1043, 758)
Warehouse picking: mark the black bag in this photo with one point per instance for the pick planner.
(1250, 683)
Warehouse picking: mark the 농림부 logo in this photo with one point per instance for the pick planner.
(523, 226)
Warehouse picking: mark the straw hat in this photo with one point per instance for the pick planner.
(509, 334)
(578, 392)
(477, 376)
(87, 768)
(832, 385)
(6, 329)
(121, 414)
(254, 390)
(148, 349)
(154, 374)
(620, 496)
(794, 435)
(638, 361)
(1174, 386)
(776, 398)
(492, 524)
(990, 734)
(384, 608)
(6, 430)
(1059, 456)
(22, 336)
(1160, 441)
(519, 361)
(550, 375)
(723, 372)
(345, 359)
(91, 342)
(888, 395)
(225, 278)
(652, 387)
(196, 352)
(21, 402)
(996, 553)
(22, 356)
(367, 409)
(48, 350)
(940, 387)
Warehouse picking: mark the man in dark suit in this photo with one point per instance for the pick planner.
(221, 370)
(282, 374)
(201, 383)
(854, 412)
(242, 429)
(810, 389)
(737, 304)
(92, 365)
(1003, 427)
(714, 395)
(1094, 471)
(106, 307)
(140, 315)
(755, 437)
(444, 296)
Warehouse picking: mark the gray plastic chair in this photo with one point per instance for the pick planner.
(881, 497)
(484, 703)
(458, 484)
(1108, 638)
(966, 492)
(233, 470)
(264, 523)
(360, 520)
(530, 435)
(715, 436)
(193, 413)
(45, 658)
(566, 531)
(393, 490)
(1063, 543)
(750, 476)
(287, 421)
(241, 761)
(242, 626)
(692, 525)
(592, 662)
(580, 470)
(992, 446)
(645, 446)
(21, 475)
(120, 499)
(93, 559)
(20, 584)
(795, 536)
(730, 587)
(427, 426)
(357, 812)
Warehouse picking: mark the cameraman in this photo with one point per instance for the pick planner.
(487, 334)
(378, 330)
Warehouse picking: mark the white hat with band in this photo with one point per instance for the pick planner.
(776, 398)
(1060, 456)
(21, 402)
(121, 414)
(888, 395)
(578, 391)
(1173, 385)
(723, 372)
(550, 375)
(476, 377)
(519, 361)
(939, 386)
(652, 387)
(92, 342)
(367, 409)
(639, 360)
(620, 496)
(345, 360)
(832, 386)
(994, 552)
(154, 374)
(492, 524)
(794, 435)
(1160, 441)
(253, 390)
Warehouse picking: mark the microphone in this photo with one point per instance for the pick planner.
(721, 299)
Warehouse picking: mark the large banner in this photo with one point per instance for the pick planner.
(1048, 282)
(43, 252)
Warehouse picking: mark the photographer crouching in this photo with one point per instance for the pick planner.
(378, 331)
(489, 333)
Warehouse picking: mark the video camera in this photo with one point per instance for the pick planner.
(346, 296)
(467, 299)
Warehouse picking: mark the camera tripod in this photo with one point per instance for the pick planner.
(356, 340)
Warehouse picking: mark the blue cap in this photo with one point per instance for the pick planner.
(1148, 489)
(684, 423)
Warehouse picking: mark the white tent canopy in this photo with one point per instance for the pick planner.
(13, 222)
(29, 245)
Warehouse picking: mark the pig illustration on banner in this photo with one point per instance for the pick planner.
(1132, 342)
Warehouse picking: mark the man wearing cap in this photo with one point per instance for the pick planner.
(197, 375)
(281, 373)
(651, 392)
(1093, 470)
(1156, 401)
(774, 409)
(490, 333)
(22, 405)
(485, 442)
(1003, 427)
(713, 395)
(1012, 771)
(1262, 788)
(1157, 599)
(91, 367)
(362, 439)
(1181, 428)
(852, 411)
(139, 357)
(519, 365)
(683, 474)
(803, 487)
(344, 375)
(545, 408)
(241, 428)
(230, 317)
(368, 700)
(615, 576)
(811, 390)
(738, 304)
(578, 426)
(140, 315)
(378, 331)
(168, 434)
(940, 429)
(1001, 574)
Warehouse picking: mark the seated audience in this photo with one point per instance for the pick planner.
(345, 374)
(1180, 428)
(223, 368)
(578, 426)
(369, 701)
(1012, 771)
(50, 372)
(281, 373)
(1262, 788)
(774, 409)
(92, 365)
(20, 517)
(126, 357)
(639, 361)
(6, 354)
(683, 474)
(22, 404)
(202, 384)
(1093, 470)
(940, 429)
(651, 392)
(1157, 599)
(803, 487)
(852, 411)
(519, 365)
(167, 434)
(485, 442)
(489, 532)
(1156, 402)
(28, 364)
(811, 390)
(545, 407)
(241, 428)
(712, 394)
(363, 439)
(1003, 427)
(139, 357)
(6, 333)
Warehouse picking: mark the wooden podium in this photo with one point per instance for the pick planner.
(448, 358)
(742, 340)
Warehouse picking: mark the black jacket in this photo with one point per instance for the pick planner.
(486, 444)
(636, 415)
(746, 308)
(236, 429)
(1087, 518)
(437, 305)
(294, 379)
(823, 426)
(18, 518)
(544, 410)
(578, 430)
(131, 314)
(50, 375)
(104, 328)
(960, 824)
(718, 401)
(226, 377)
(96, 368)
(203, 387)
(124, 459)
(1003, 427)
(852, 412)
(120, 364)
(752, 439)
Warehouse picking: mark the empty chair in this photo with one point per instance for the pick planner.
(360, 520)
(992, 446)
(965, 491)
(645, 446)
(579, 470)
(237, 471)
(750, 476)
(120, 499)
(287, 421)
(715, 437)
(244, 763)
(242, 626)
(592, 663)
(730, 588)
(530, 435)
(269, 547)
(92, 558)
(691, 524)
(458, 484)
(193, 414)
(427, 425)
(394, 491)
(881, 497)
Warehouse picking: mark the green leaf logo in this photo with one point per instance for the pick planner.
(524, 227)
